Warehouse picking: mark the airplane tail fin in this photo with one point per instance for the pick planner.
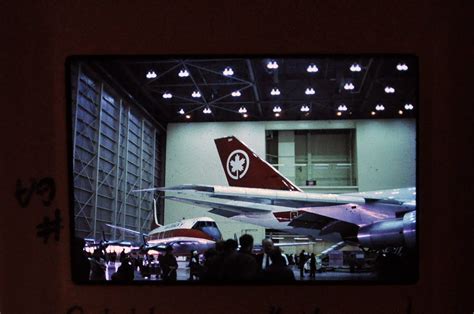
(243, 168)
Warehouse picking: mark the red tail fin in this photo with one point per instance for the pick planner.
(244, 168)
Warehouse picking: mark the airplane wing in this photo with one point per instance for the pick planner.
(230, 206)
(404, 195)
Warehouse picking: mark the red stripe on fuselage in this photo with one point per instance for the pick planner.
(192, 233)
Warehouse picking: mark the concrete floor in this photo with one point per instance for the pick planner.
(183, 274)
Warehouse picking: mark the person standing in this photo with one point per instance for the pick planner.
(312, 266)
(98, 266)
(264, 259)
(169, 265)
(194, 266)
(302, 261)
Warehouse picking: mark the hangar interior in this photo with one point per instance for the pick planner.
(330, 124)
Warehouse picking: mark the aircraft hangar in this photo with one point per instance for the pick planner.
(330, 124)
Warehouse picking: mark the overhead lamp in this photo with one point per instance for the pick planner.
(242, 110)
(181, 111)
(151, 75)
(309, 91)
(339, 113)
(304, 108)
(348, 86)
(312, 68)
(236, 93)
(389, 90)
(402, 67)
(196, 94)
(355, 67)
(188, 116)
(408, 107)
(272, 65)
(380, 107)
(207, 110)
(277, 114)
(342, 108)
(275, 92)
(400, 112)
(245, 115)
(373, 113)
(183, 73)
(276, 109)
(167, 95)
(228, 71)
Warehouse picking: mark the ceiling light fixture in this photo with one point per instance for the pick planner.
(373, 113)
(310, 91)
(228, 71)
(304, 108)
(348, 86)
(312, 68)
(272, 65)
(245, 115)
(402, 67)
(207, 110)
(275, 92)
(242, 110)
(151, 75)
(389, 90)
(183, 73)
(380, 107)
(339, 113)
(167, 95)
(400, 112)
(355, 67)
(188, 116)
(342, 108)
(181, 111)
(236, 93)
(277, 114)
(408, 107)
(276, 109)
(196, 94)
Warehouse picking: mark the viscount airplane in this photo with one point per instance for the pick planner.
(261, 195)
(195, 234)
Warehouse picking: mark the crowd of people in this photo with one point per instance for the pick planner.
(226, 262)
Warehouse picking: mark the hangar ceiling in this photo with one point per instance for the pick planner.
(199, 89)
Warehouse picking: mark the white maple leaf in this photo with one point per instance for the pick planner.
(237, 165)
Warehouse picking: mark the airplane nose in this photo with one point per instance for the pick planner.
(213, 232)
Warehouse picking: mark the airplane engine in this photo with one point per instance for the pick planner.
(390, 232)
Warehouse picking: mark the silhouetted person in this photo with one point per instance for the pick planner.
(241, 265)
(301, 262)
(81, 265)
(169, 265)
(194, 266)
(98, 265)
(214, 259)
(312, 266)
(278, 271)
(264, 259)
(123, 255)
(125, 271)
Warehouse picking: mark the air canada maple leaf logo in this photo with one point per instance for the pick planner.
(237, 164)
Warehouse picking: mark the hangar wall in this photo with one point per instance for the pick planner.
(385, 149)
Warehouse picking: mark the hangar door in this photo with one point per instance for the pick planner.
(115, 151)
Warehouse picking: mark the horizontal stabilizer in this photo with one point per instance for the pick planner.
(125, 229)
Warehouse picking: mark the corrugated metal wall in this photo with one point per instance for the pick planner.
(115, 151)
